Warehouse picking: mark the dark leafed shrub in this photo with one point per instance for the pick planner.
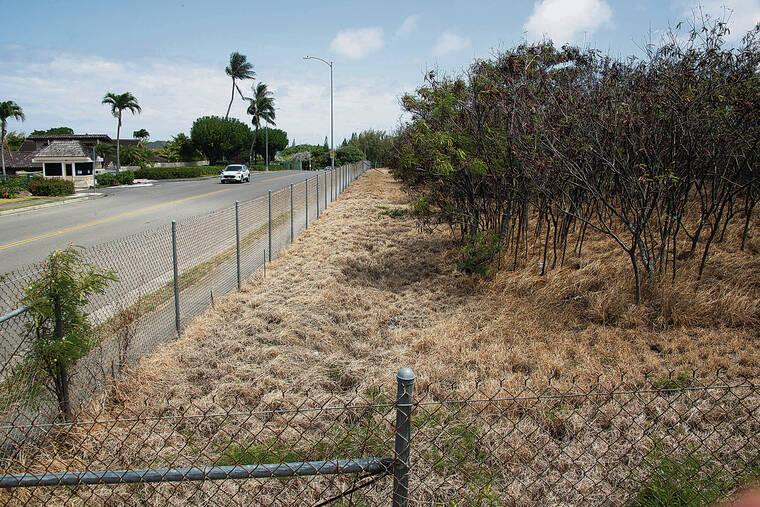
(9, 188)
(106, 179)
(51, 187)
(125, 177)
(167, 173)
(481, 253)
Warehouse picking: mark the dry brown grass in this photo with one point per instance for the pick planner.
(360, 295)
(364, 294)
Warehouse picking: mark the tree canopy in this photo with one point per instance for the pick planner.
(221, 138)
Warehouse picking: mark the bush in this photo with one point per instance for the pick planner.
(51, 187)
(9, 188)
(167, 173)
(125, 177)
(480, 253)
(120, 178)
(106, 179)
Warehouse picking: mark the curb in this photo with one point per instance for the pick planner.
(83, 197)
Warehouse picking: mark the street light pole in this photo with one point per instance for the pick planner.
(332, 141)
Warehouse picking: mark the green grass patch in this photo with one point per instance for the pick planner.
(691, 480)
(673, 382)
(392, 212)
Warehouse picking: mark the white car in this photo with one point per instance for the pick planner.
(235, 173)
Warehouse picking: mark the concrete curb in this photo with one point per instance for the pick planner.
(83, 197)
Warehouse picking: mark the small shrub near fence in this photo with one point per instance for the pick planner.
(110, 179)
(51, 187)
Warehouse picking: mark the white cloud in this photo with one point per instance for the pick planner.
(409, 26)
(567, 20)
(66, 89)
(449, 43)
(356, 44)
(741, 15)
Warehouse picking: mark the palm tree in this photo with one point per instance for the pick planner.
(118, 104)
(8, 109)
(239, 68)
(261, 108)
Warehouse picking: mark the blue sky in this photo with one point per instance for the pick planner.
(58, 58)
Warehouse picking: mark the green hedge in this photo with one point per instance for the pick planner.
(42, 186)
(9, 188)
(120, 178)
(272, 167)
(167, 173)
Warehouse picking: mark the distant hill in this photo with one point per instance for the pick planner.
(155, 145)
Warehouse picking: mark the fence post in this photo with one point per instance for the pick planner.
(237, 240)
(270, 225)
(332, 187)
(405, 378)
(317, 185)
(325, 189)
(176, 276)
(307, 202)
(291, 212)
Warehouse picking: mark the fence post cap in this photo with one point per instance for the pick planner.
(405, 374)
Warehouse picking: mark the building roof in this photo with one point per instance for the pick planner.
(22, 160)
(71, 137)
(63, 149)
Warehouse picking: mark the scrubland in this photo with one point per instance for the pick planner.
(364, 292)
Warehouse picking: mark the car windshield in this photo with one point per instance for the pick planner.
(234, 168)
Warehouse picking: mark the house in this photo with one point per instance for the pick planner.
(70, 160)
(23, 160)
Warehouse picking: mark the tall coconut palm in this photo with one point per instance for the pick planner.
(8, 109)
(239, 68)
(261, 108)
(119, 103)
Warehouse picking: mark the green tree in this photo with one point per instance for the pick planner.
(261, 108)
(14, 140)
(119, 103)
(180, 148)
(59, 324)
(8, 109)
(326, 145)
(220, 138)
(348, 155)
(107, 151)
(278, 141)
(134, 155)
(142, 134)
(239, 68)
(67, 131)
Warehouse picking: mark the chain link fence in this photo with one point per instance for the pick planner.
(683, 439)
(688, 438)
(166, 277)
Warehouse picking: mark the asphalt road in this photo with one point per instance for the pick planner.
(28, 237)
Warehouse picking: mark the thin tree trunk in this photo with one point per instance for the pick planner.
(2, 153)
(118, 135)
(250, 152)
(227, 116)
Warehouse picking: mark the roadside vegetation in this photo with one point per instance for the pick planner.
(363, 292)
(536, 148)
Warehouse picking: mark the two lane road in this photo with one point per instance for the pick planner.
(28, 237)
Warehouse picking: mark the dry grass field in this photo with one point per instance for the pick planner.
(364, 292)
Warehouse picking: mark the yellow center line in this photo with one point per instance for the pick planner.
(106, 220)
